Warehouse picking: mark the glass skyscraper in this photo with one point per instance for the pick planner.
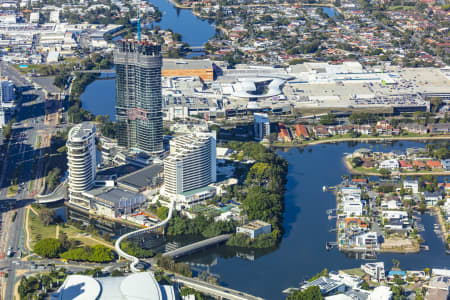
(138, 96)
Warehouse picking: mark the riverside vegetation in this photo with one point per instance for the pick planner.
(260, 191)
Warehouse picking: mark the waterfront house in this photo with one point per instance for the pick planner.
(339, 130)
(445, 164)
(398, 226)
(362, 152)
(326, 285)
(321, 131)
(359, 181)
(363, 129)
(384, 128)
(375, 270)
(369, 164)
(432, 198)
(353, 208)
(254, 228)
(283, 134)
(414, 152)
(395, 215)
(350, 281)
(439, 128)
(411, 185)
(301, 131)
(419, 164)
(367, 240)
(405, 165)
(418, 275)
(390, 164)
(434, 164)
(414, 128)
(447, 187)
(396, 274)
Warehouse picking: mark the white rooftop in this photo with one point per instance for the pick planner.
(138, 286)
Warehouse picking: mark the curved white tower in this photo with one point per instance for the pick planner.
(81, 160)
(191, 163)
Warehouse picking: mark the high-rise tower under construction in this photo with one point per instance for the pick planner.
(138, 96)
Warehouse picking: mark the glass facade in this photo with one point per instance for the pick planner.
(138, 96)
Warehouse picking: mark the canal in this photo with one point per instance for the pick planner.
(302, 251)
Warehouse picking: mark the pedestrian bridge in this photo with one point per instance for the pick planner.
(191, 248)
(57, 195)
(134, 260)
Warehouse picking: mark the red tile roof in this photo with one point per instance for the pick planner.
(434, 164)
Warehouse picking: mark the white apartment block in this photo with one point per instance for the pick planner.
(81, 161)
(8, 93)
(190, 168)
(261, 126)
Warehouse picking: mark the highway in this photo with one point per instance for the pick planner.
(23, 160)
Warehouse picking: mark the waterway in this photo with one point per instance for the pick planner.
(302, 251)
(99, 98)
(194, 31)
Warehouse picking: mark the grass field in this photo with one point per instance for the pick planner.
(38, 231)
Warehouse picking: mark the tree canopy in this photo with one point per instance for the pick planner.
(48, 248)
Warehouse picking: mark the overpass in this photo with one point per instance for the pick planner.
(214, 290)
(57, 195)
(134, 260)
(191, 248)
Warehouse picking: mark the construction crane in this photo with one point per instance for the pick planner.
(139, 22)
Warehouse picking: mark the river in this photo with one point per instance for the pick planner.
(302, 251)
(194, 31)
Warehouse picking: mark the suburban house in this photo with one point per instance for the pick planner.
(375, 270)
(254, 228)
(412, 185)
(390, 164)
(445, 164)
(366, 240)
(432, 198)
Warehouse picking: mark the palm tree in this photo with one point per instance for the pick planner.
(396, 263)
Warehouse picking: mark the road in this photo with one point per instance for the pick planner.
(23, 164)
(214, 290)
